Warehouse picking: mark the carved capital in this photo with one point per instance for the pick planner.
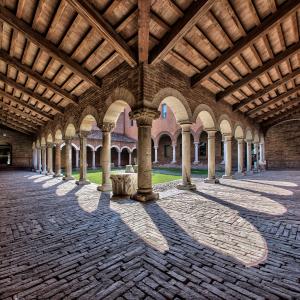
(49, 145)
(68, 141)
(83, 134)
(107, 127)
(144, 116)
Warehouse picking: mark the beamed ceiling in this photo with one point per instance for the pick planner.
(244, 51)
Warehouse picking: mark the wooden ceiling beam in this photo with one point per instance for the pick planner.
(271, 63)
(286, 105)
(266, 90)
(272, 20)
(14, 127)
(16, 122)
(22, 113)
(44, 44)
(179, 29)
(274, 100)
(12, 61)
(26, 105)
(22, 121)
(144, 30)
(30, 93)
(94, 18)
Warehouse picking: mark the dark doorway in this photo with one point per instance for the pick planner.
(5, 154)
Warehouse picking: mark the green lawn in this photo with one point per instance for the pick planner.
(95, 176)
(177, 171)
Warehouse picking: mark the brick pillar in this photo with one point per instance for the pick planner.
(144, 117)
(228, 156)
(68, 163)
(211, 157)
(50, 158)
(83, 163)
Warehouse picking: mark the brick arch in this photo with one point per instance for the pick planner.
(225, 125)
(49, 137)
(126, 147)
(70, 127)
(97, 147)
(206, 115)
(91, 147)
(176, 101)
(249, 134)
(86, 113)
(239, 131)
(157, 138)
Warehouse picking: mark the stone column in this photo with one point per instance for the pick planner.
(44, 161)
(77, 159)
(256, 154)
(186, 158)
(83, 155)
(144, 117)
(261, 151)
(130, 158)
(228, 157)
(68, 157)
(155, 154)
(240, 155)
(196, 145)
(50, 158)
(106, 157)
(174, 154)
(249, 155)
(211, 157)
(58, 159)
(39, 168)
(34, 159)
(119, 158)
(93, 159)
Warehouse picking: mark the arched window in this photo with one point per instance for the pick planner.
(5, 154)
(164, 111)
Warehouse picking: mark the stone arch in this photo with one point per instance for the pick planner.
(176, 101)
(116, 147)
(238, 131)
(88, 117)
(58, 136)
(75, 146)
(249, 135)
(97, 147)
(126, 147)
(38, 144)
(256, 137)
(114, 110)
(70, 128)
(43, 141)
(156, 140)
(49, 138)
(225, 125)
(33, 145)
(207, 117)
(91, 147)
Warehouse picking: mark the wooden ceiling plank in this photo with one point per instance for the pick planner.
(36, 76)
(274, 100)
(30, 93)
(289, 7)
(143, 30)
(260, 70)
(20, 119)
(266, 90)
(11, 126)
(45, 45)
(17, 121)
(91, 15)
(179, 29)
(159, 21)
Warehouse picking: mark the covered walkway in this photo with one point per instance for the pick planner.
(239, 239)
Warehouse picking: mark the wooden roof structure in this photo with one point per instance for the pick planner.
(52, 51)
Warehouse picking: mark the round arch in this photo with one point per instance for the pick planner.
(206, 116)
(115, 147)
(97, 147)
(114, 110)
(126, 147)
(158, 137)
(238, 132)
(256, 137)
(43, 141)
(88, 117)
(225, 125)
(49, 138)
(58, 136)
(249, 135)
(91, 147)
(70, 130)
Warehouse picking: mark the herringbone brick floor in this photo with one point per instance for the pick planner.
(236, 240)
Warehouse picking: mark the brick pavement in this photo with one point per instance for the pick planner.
(236, 240)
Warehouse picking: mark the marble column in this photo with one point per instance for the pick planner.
(106, 157)
(39, 155)
(186, 158)
(44, 160)
(93, 159)
(249, 155)
(211, 157)
(174, 154)
(228, 157)
(130, 158)
(58, 159)
(77, 158)
(50, 158)
(196, 145)
(144, 117)
(155, 154)
(119, 158)
(68, 158)
(240, 155)
(83, 156)
(256, 156)
(261, 151)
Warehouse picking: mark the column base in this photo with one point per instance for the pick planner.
(82, 182)
(211, 180)
(50, 173)
(195, 162)
(144, 197)
(44, 172)
(228, 177)
(58, 175)
(104, 188)
(38, 171)
(173, 162)
(186, 187)
(67, 178)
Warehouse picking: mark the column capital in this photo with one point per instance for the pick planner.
(211, 133)
(248, 141)
(83, 134)
(185, 125)
(144, 116)
(43, 147)
(227, 137)
(107, 127)
(68, 140)
(50, 145)
(240, 140)
(58, 142)
(196, 143)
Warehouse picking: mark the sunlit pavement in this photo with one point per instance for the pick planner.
(236, 240)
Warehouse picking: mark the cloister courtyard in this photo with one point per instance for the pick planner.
(150, 149)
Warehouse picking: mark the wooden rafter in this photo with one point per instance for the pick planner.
(272, 20)
(36, 76)
(17, 122)
(44, 44)
(30, 93)
(286, 106)
(91, 15)
(271, 63)
(179, 29)
(143, 30)
(12, 126)
(267, 89)
(20, 120)
(274, 100)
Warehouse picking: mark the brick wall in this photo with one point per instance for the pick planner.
(283, 145)
(21, 147)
